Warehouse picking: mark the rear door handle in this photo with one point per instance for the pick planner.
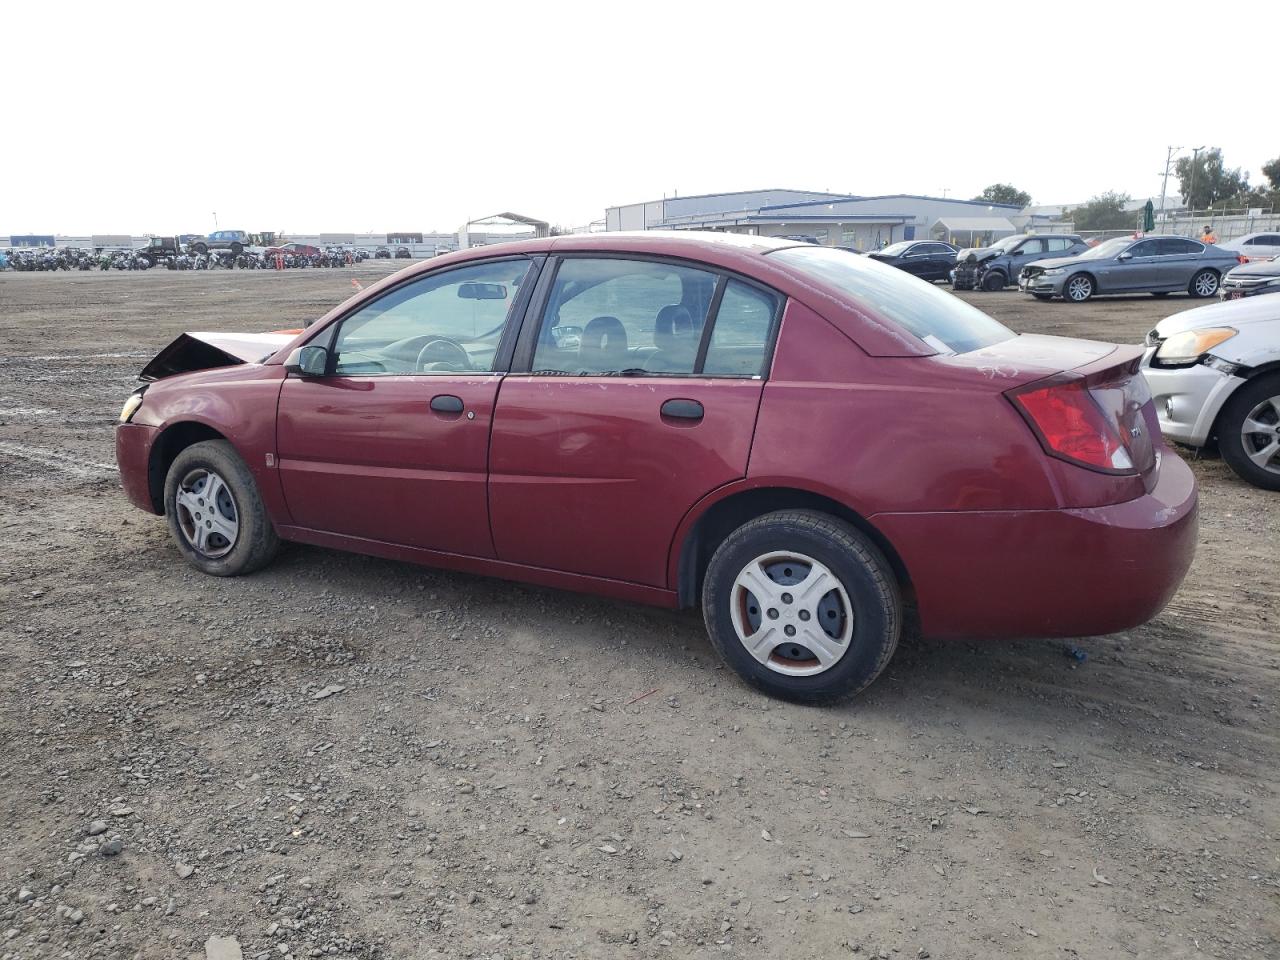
(446, 403)
(683, 410)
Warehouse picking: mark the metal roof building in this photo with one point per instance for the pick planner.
(863, 223)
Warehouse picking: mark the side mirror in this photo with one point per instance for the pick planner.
(1124, 256)
(308, 361)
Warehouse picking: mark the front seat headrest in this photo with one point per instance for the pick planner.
(673, 327)
(603, 345)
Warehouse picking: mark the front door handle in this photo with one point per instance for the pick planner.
(446, 403)
(683, 410)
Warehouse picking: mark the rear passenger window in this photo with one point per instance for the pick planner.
(740, 337)
(1054, 244)
(1170, 246)
(611, 315)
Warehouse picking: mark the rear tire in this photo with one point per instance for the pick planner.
(818, 648)
(1249, 432)
(1204, 284)
(1078, 288)
(993, 281)
(214, 511)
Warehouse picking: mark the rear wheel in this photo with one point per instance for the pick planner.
(1204, 284)
(803, 606)
(215, 513)
(993, 281)
(1078, 289)
(1249, 432)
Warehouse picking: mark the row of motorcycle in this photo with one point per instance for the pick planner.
(72, 258)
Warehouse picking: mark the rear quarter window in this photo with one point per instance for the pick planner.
(940, 319)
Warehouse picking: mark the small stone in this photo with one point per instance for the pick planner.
(183, 870)
(97, 827)
(76, 915)
(25, 895)
(607, 848)
(856, 834)
(112, 847)
(328, 691)
(465, 786)
(766, 836)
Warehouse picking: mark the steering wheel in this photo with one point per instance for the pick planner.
(441, 353)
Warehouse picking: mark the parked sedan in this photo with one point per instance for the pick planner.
(926, 259)
(1255, 246)
(1156, 265)
(690, 419)
(1252, 278)
(1215, 374)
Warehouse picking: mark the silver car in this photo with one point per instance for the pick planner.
(1214, 374)
(1156, 265)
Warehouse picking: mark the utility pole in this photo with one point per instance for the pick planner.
(1191, 191)
(1164, 186)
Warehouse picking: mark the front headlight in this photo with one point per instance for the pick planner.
(1054, 272)
(1190, 345)
(131, 406)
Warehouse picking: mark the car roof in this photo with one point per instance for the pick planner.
(733, 252)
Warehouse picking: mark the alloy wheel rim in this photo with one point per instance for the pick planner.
(1079, 288)
(791, 613)
(1206, 284)
(1260, 435)
(207, 513)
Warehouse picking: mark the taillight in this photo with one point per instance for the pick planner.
(1071, 426)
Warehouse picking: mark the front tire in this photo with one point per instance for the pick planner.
(993, 281)
(1078, 288)
(1249, 432)
(803, 606)
(214, 511)
(1204, 284)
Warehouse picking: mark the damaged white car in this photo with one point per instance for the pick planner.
(1214, 374)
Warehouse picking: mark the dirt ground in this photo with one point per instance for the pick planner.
(516, 772)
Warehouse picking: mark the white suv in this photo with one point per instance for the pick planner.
(1214, 374)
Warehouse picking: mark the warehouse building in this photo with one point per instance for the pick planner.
(838, 220)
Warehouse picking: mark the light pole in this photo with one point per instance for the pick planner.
(1191, 191)
(215, 219)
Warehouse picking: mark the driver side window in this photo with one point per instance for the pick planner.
(445, 323)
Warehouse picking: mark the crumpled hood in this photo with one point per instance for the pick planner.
(1054, 262)
(978, 253)
(204, 351)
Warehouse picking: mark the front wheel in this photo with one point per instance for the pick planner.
(1204, 284)
(993, 281)
(1079, 288)
(1249, 432)
(215, 513)
(803, 606)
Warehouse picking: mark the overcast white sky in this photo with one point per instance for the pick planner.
(136, 118)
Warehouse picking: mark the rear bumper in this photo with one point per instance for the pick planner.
(133, 455)
(1050, 573)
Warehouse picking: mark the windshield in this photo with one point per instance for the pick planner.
(940, 319)
(1108, 248)
(1004, 243)
(896, 249)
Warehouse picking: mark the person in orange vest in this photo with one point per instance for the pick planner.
(1208, 236)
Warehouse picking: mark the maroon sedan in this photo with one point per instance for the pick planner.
(794, 437)
(294, 249)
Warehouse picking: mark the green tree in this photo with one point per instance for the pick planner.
(1204, 181)
(1004, 193)
(1103, 212)
(1271, 170)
